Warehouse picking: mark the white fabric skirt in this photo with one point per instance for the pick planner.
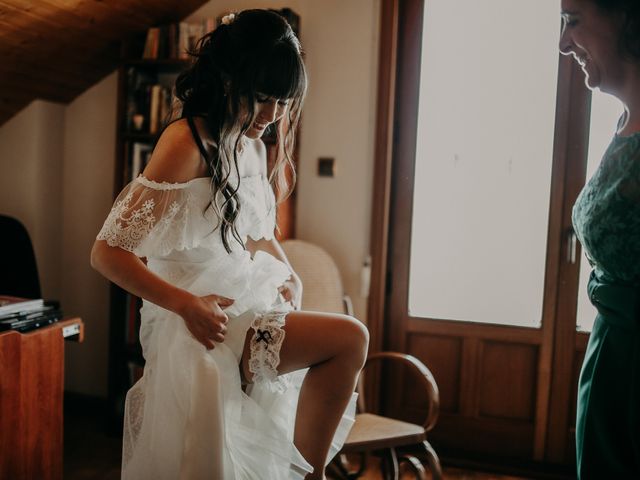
(188, 416)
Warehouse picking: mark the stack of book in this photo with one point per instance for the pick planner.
(175, 40)
(23, 314)
(149, 100)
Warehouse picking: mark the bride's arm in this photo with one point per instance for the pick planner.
(130, 273)
(203, 315)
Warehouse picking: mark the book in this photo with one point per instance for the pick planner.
(154, 109)
(10, 305)
(183, 40)
(151, 46)
(174, 40)
(28, 315)
(139, 158)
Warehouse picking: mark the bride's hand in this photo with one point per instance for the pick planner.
(205, 318)
(291, 291)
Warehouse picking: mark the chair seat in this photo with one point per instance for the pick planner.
(372, 432)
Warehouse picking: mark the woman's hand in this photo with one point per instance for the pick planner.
(205, 318)
(291, 291)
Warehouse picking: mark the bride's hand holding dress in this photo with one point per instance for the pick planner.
(205, 319)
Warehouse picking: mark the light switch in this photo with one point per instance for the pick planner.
(326, 166)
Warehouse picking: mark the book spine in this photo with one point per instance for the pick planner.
(151, 45)
(173, 40)
(209, 24)
(183, 40)
(154, 109)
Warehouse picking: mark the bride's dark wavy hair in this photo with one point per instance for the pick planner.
(257, 52)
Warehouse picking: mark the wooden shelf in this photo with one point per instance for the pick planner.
(138, 136)
(176, 63)
(32, 383)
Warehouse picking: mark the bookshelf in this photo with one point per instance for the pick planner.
(144, 100)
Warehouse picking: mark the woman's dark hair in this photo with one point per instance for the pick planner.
(256, 52)
(629, 11)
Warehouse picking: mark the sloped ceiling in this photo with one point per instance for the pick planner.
(56, 49)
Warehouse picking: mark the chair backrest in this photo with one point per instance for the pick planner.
(322, 285)
(18, 270)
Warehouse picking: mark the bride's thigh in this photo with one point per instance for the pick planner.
(312, 338)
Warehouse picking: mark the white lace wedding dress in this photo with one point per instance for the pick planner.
(188, 417)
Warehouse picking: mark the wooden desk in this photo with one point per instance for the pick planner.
(31, 390)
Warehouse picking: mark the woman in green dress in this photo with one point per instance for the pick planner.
(604, 38)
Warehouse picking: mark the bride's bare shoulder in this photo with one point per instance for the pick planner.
(176, 158)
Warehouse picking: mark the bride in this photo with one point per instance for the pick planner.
(238, 382)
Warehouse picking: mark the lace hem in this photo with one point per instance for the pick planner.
(265, 350)
(141, 179)
(128, 227)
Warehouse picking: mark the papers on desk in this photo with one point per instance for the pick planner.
(24, 314)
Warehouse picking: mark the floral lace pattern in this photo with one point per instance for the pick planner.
(606, 215)
(265, 349)
(154, 218)
(126, 228)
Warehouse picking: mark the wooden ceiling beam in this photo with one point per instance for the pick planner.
(60, 78)
(86, 21)
(44, 20)
(69, 44)
(8, 99)
(61, 62)
(51, 90)
(56, 49)
(8, 111)
(25, 91)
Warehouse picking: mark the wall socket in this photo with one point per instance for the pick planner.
(326, 167)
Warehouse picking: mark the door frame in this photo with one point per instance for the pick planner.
(552, 431)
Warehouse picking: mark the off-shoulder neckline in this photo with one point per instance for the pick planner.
(178, 185)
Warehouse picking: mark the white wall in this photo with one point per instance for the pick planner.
(340, 38)
(89, 161)
(57, 169)
(31, 163)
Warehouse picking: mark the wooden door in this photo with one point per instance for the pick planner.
(506, 391)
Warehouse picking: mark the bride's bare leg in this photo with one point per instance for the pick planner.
(335, 348)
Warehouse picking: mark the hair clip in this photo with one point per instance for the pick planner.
(228, 19)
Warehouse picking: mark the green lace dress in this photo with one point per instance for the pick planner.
(606, 218)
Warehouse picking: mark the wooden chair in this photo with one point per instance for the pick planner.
(321, 281)
(383, 435)
(323, 292)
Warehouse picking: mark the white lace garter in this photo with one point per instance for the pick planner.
(265, 349)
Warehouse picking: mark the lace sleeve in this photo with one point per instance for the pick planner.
(150, 218)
